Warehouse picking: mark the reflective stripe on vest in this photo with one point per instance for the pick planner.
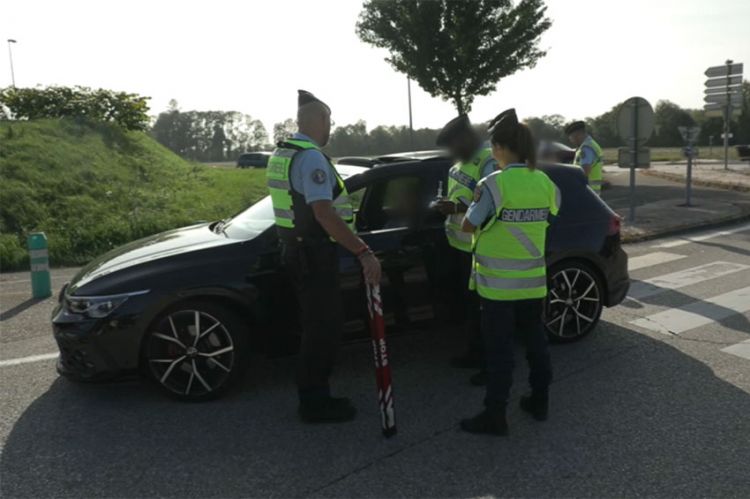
(595, 175)
(279, 184)
(462, 180)
(509, 259)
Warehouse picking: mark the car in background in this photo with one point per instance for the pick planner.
(186, 307)
(253, 160)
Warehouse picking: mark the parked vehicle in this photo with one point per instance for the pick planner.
(185, 307)
(253, 160)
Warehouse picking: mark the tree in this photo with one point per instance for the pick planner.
(129, 111)
(548, 127)
(668, 117)
(284, 130)
(456, 49)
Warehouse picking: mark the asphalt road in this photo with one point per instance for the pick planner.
(656, 402)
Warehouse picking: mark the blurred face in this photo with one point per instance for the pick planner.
(325, 128)
(463, 147)
(576, 138)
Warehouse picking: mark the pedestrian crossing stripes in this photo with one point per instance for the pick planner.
(696, 314)
(741, 349)
(694, 239)
(684, 278)
(650, 259)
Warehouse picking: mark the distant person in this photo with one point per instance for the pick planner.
(588, 154)
(474, 161)
(313, 212)
(509, 215)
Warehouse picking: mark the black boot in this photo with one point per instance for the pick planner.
(491, 421)
(479, 379)
(536, 404)
(327, 410)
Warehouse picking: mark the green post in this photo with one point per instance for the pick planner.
(41, 285)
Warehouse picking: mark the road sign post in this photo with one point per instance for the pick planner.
(635, 123)
(724, 92)
(689, 135)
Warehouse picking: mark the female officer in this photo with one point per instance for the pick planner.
(511, 209)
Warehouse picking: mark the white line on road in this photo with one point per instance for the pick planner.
(696, 314)
(741, 349)
(26, 360)
(651, 259)
(693, 239)
(683, 278)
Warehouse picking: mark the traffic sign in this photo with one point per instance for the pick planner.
(625, 157)
(689, 133)
(725, 70)
(735, 89)
(724, 81)
(729, 135)
(635, 119)
(690, 152)
(734, 99)
(718, 112)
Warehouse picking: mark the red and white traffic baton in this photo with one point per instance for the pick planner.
(382, 365)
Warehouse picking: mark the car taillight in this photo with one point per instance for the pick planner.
(615, 223)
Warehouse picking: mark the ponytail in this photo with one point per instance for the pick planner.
(519, 139)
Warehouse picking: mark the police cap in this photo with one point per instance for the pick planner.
(453, 129)
(574, 127)
(305, 97)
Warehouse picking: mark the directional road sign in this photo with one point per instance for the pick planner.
(724, 81)
(725, 70)
(718, 112)
(736, 89)
(734, 99)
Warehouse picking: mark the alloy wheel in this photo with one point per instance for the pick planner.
(191, 353)
(573, 304)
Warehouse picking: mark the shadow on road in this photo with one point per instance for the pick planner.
(26, 304)
(631, 416)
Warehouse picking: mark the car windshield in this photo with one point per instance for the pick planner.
(259, 217)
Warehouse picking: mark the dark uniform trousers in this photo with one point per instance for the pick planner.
(499, 322)
(313, 269)
(470, 300)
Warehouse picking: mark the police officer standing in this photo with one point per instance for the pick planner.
(588, 154)
(473, 162)
(510, 210)
(312, 210)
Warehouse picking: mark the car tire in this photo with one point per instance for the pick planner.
(195, 351)
(574, 301)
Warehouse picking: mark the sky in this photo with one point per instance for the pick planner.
(252, 56)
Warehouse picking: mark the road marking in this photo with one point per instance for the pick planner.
(696, 314)
(26, 360)
(693, 239)
(687, 277)
(741, 349)
(654, 258)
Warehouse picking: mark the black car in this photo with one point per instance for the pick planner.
(253, 160)
(186, 306)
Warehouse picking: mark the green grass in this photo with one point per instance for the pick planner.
(92, 187)
(675, 153)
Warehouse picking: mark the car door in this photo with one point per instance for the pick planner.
(395, 221)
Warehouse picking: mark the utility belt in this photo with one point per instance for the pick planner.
(293, 241)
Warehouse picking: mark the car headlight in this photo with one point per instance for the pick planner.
(98, 307)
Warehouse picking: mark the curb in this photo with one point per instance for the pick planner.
(704, 183)
(682, 229)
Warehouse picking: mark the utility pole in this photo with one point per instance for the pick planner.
(727, 117)
(411, 127)
(10, 56)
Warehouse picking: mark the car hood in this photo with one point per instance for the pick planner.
(162, 245)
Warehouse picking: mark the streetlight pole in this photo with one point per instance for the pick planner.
(10, 56)
(411, 127)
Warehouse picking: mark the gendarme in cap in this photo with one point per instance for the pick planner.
(453, 129)
(305, 97)
(574, 127)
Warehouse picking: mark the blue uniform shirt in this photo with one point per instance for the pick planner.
(489, 166)
(312, 175)
(588, 156)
